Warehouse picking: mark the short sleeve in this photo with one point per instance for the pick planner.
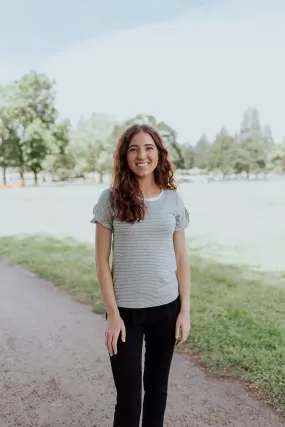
(182, 215)
(102, 211)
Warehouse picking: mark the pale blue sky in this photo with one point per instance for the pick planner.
(37, 28)
(196, 64)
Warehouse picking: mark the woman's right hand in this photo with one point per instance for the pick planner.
(115, 326)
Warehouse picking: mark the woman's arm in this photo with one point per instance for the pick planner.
(103, 250)
(184, 281)
(115, 324)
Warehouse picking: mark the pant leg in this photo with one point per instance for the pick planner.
(127, 372)
(160, 344)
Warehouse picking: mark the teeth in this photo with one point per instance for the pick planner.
(142, 164)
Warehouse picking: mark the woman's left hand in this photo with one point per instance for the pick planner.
(182, 327)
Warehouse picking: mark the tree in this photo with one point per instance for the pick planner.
(170, 137)
(92, 143)
(267, 135)
(188, 153)
(250, 125)
(223, 153)
(36, 140)
(255, 144)
(9, 142)
(277, 158)
(28, 105)
(202, 152)
(36, 99)
(61, 160)
(249, 157)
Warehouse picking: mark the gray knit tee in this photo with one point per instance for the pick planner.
(144, 263)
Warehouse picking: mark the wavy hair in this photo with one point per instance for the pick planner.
(127, 198)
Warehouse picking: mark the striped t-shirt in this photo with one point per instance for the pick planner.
(144, 263)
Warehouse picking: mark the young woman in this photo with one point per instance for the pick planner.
(147, 292)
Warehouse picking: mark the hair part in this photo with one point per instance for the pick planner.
(127, 198)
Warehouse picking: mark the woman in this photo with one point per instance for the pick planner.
(147, 293)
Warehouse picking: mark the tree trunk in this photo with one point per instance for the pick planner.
(4, 175)
(101, 177)
(22, 177)
(36, 177)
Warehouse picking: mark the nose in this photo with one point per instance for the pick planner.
(141, 155)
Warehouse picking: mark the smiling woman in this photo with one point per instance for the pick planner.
(147, 293)
(142, 168)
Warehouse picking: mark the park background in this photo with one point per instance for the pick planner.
(219, 105)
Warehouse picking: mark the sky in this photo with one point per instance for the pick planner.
(197, 65)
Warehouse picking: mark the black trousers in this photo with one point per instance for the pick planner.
(157, 326)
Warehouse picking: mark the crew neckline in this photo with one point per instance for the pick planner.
(152, 199)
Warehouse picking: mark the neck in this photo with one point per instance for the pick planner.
(148, 186)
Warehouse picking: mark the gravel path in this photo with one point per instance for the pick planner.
(54, 369)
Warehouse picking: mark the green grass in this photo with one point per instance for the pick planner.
(238, 316)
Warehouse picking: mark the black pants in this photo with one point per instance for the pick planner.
(157, 325)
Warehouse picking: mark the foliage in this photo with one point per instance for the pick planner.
(222, 154)
(91, 141)
(202, 152)
(277, 158)
(33, 139)
(28, 113)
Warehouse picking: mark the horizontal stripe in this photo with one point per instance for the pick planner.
(144, 263)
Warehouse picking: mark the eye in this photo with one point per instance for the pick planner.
(149, 148)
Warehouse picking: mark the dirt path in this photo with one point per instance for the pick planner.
(55, 372)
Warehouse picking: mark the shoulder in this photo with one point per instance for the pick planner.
(174, 197)
(180, 210)
(106, 194)
(105, 198)
(102, 211)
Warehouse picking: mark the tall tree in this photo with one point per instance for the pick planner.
(8, 147)
(223, 153)
(250, 125)
(29, 107)
(188, 153)
(92, 142)
(277, 158)
(202, 152)
(36, 142)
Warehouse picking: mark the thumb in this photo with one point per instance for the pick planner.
(123, 332)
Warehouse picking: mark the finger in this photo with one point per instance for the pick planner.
(123, 333)
(114, 343)
(184, 336)
(106, 340)
(178, 343)
(109, 344)
(177, 330)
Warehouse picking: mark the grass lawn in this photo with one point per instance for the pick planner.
(238, 316)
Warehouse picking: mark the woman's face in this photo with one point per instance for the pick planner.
(142, 155)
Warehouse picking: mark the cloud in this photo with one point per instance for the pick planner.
(197, 73)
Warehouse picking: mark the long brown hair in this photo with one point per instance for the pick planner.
(127, 198)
